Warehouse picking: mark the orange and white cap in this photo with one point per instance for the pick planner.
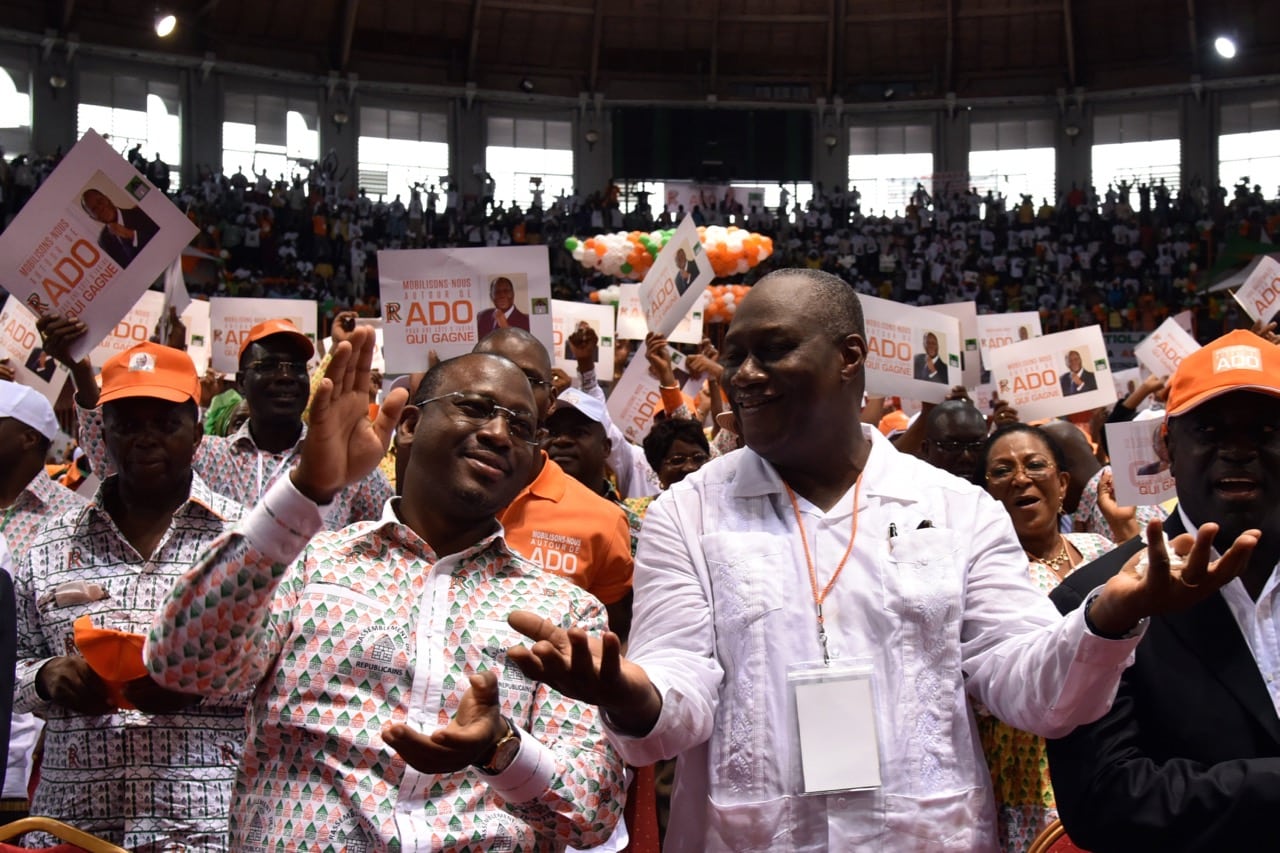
(1237, 361)
(150, 370)
(267, 328)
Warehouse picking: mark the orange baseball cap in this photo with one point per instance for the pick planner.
(150, 370)
(267, 328)
(116, 656)
(1237, 361)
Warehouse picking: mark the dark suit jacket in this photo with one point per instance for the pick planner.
(1188, 757)
(1068, 387)
(485, 323)
(920, 371)
(122, 251)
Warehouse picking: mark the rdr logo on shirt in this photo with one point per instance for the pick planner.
(556, 552)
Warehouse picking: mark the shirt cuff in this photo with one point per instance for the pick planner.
(26, 699)
(1136, 631)
(529, 775)
(283, 522)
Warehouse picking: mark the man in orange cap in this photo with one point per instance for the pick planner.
(273, 378)
(125, 759)
(1186, 758)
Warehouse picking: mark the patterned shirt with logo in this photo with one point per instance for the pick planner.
(367, 626)
(139, 780)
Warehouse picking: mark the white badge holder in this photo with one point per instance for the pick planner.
(833, 716)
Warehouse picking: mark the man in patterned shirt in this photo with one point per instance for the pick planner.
(242, 466)
(124, 758)
(357, 641)
(27, 499)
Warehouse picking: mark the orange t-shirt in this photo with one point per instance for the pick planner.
(571, 531)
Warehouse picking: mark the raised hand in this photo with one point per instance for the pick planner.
(470, 736)
(1163, 587)
(342, 445)
(582, 343)
(57, 334)
(588, 669)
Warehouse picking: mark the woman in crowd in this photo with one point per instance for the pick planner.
(1026, 470)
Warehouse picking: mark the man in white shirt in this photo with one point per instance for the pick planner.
(739, 587)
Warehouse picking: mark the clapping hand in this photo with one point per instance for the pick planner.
(342, 445)
(1169, 584)
(471, 734)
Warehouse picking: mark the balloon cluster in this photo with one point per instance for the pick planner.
(722, 302)
(629, 255)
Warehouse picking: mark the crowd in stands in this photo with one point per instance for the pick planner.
(1124, 258)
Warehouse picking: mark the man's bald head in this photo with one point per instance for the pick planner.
(1081, 463)
(530, 356)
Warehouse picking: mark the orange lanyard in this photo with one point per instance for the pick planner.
(820, 597)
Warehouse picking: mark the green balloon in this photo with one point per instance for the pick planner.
(626, 268)
(571, 243)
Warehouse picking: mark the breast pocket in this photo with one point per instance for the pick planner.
(924, 594)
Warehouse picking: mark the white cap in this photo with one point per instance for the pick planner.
(585, 403)
(29, 406)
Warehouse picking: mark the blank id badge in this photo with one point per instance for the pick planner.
(834, 716)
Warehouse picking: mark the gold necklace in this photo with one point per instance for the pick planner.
(1063, 556)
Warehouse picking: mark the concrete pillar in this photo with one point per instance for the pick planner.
(202, 110)
(830, 163)
(592, 161)
(339, 135)
(1200, 125)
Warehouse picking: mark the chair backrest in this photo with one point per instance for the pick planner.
(74, 840)
(1053, 839)
(8, 657)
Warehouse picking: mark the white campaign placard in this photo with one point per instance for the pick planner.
(1165, 348)
(634, 400)
(231, 318)
(199, 341)
(20, 344)
(912, 352)
(970, 359)
(1259, 296)
(689, 329)
(1054, 375)
(1140, 463)
(1126, 382)
(679, 276)
(630, 324)
(997, 330)
(447, 300)
(136, 327)
(91, 241)
(567, 317)
(1186, 321)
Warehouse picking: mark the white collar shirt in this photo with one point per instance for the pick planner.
(723, 607)
(1257, 621)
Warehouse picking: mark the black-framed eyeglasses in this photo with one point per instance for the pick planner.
(268, 366)
(479, 410)
(1002, 473)
(959, 446)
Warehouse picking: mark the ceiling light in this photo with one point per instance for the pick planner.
(1225, 47)
(526, 86)
(165, 24)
